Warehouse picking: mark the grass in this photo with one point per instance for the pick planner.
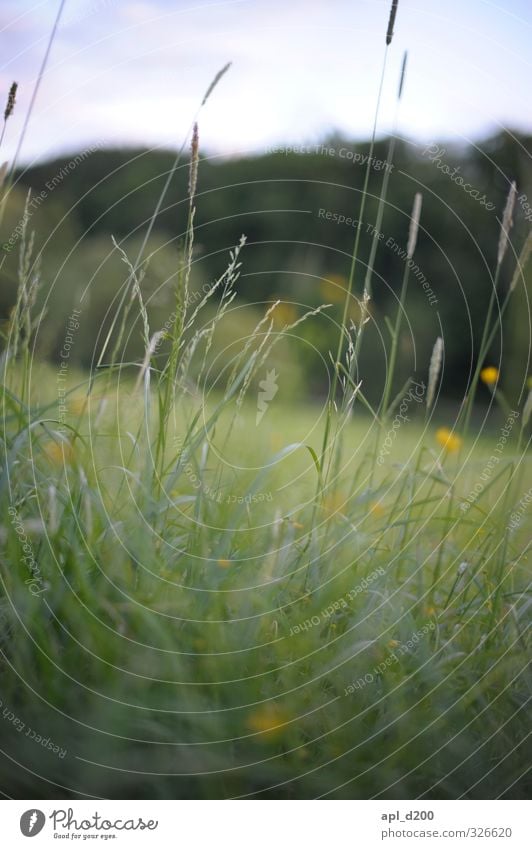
(200, 646)
(195, 604)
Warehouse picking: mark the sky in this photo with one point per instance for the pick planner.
(124, 73)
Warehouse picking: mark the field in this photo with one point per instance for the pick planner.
(241, 560)
(217, 637)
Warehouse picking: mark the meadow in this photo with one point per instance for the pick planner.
(216, 583)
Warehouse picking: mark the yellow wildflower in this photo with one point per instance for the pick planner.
(333, 288)
(489, 375)
(284, 314)
(393, 644)
(224, 563)
(78, 405)
(267, 719)
(333, 503)
(277, 441)
(376, 508)
(448, 440)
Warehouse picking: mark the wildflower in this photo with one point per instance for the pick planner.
(78, 405)
(448, 440)
(334, 287)
(333, 503)
(430, 611)
(224, 563)
(59, 452)
(489, 375)
(267, 719)
(393, 644)
(284, 314)
(277, 441)
(376, 508)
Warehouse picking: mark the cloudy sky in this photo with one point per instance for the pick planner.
(130, 73)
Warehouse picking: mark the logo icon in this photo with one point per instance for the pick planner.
(269, 391)
(32, 822)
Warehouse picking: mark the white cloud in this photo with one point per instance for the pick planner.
(134, 72)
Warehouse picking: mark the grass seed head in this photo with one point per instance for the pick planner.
(10, 105)
(527, 409)
(434, 370)
(522, 261)
(215, 82)
(414, 225)
(507, 221)
(391, 22)
(403, 73)
(194, 158)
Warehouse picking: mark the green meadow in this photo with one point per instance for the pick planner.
(253, 543)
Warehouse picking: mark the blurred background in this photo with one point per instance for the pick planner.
(283, 141)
